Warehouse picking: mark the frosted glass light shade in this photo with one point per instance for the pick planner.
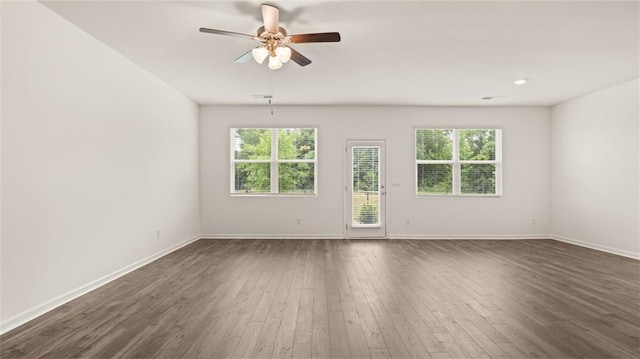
(284, 53)
(259, 54)
(274, 62)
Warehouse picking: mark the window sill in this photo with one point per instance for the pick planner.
(458, 196)
(274, 195)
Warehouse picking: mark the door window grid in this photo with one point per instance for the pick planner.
(365, 197)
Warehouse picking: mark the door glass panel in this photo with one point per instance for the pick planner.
(366, 186)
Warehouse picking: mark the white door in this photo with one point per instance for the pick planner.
(365, 190)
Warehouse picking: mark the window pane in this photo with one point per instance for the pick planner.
(366, 187)
(296, 178)
(296, 143)
(252, 143)
(478, 179)
(252, 177)
(434, 178)
(432, 144)
(365, 168)
(477, 145)
(365, 208)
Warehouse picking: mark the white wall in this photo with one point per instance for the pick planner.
(1, 107)
(595, 175)
(526, 173)
(97, 155)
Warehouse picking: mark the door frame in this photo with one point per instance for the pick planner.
(353, 141)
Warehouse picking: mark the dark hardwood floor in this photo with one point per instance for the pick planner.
(364, 298)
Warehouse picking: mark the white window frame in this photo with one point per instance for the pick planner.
(456, 163)
(274, 162)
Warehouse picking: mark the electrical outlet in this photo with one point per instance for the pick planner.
(298, 221)
(408, 222)
(158, 234)
(534, 222)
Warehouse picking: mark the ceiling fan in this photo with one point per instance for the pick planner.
(276, 43)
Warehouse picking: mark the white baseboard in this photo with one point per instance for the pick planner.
(597, 247)
(41, 309)
(391, 236)
(469, 236)
(272, 236)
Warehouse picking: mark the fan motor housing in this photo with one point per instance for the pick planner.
(264, 34)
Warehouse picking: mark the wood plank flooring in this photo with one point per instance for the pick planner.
(353, 299)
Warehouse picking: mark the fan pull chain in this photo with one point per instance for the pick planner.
(271, 90)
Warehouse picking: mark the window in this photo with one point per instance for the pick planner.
(273, 161)
(458, 162)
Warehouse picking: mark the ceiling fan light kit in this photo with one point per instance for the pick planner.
(283, 53)
(259, 54)
(274, 63)
(276, 44)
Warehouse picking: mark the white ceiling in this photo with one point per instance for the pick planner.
(392, 52)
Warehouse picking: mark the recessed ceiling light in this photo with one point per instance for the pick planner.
(520, 82)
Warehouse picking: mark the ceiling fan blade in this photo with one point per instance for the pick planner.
(316, 37)
(299, 58)
(271, 18)
(228, 33)
(244, 57)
